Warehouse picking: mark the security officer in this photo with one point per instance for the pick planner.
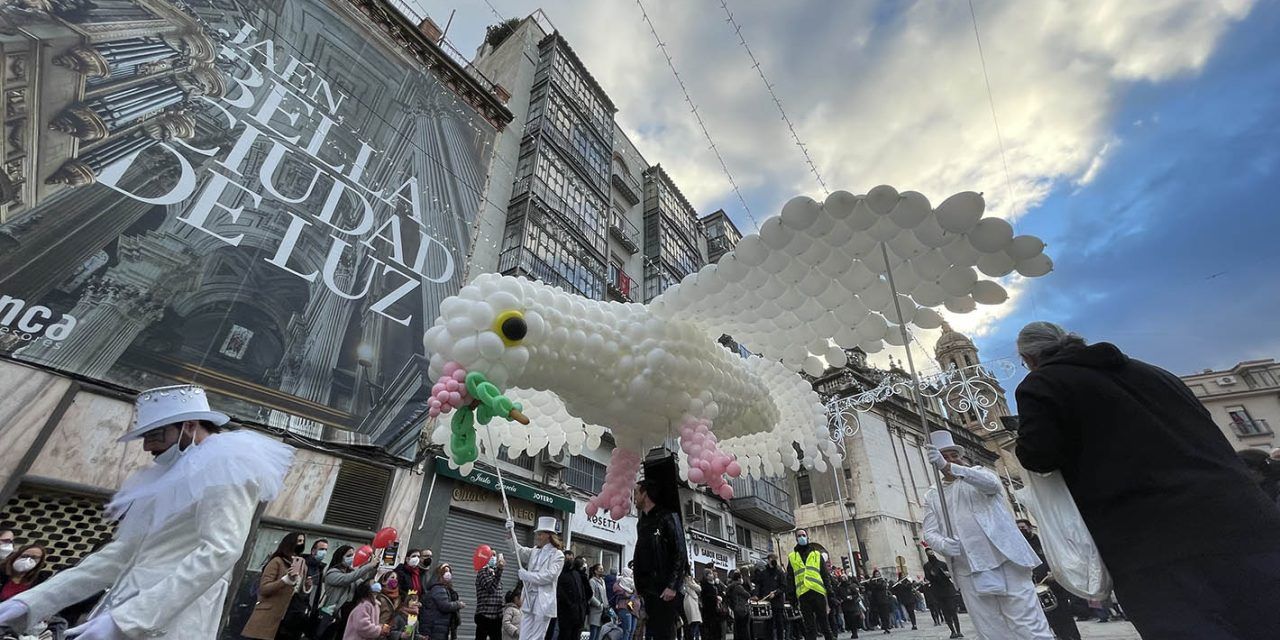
(807, 571)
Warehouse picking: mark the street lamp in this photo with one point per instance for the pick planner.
(364, 357)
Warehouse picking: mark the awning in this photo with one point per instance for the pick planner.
(513, 488)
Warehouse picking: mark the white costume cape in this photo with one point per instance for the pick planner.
(183, 529)
(542, 569)
(993, 568)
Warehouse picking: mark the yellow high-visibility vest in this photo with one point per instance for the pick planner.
(808, 573)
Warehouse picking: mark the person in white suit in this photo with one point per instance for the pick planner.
(542, 565)
(990, 558)
(183, 522)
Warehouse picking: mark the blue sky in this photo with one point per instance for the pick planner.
(1142, 139)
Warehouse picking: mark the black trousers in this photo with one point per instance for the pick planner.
(488, 628)
(742, 627)
(778, 624)
(884, 615)
(662, 616)
(813, 611)
(1060, 619)
(1229, 596)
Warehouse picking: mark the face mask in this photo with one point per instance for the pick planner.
(321, 554)
(349, 560)
(802, 540)
(414, 561)
(24, 565)
(376, 587)
(448, 576)
(393, 585)
(173, 453)
(6, 550)
(299, 549)
(426, 562)
(493, 562)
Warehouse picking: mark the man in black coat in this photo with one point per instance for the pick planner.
(771, 585)
(1192, 545)
(1060, 619)
(661, 559)
(944, 591)
(572, 594)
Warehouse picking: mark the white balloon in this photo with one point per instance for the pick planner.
(839, 234)
(894, 337)
(776, 262)
(862, 245)
(991, 235)
(813, 366)
(882, 199)
(815, 254)
(775, 235)
(751, 251)
(884, 229)
(961, 304)
(905, 279)
(961, 252)
(800, 212)
(906, 246)
(840, 204)
(1035, 266)
(988, 292)
(927, 318)
(858, 277)
(961, 212)
(958, 280)
(815, 283)
(872, 346)
(929, 294)
(912, 209)
(931, 234)
(1025, 247)
(847, 337)
(996, 265)
(836, 357)
(877, 296)
(862, 217)
(930, 265)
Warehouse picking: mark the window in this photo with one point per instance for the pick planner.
(1260, 379)
(804, 488)
(713, 524)
(744, 537)
(585, 473)
(523, 461)
(1244, 424)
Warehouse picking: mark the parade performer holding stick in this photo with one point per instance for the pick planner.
(183, 522)
(543, 564)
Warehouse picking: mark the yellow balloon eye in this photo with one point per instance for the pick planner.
(511, 327)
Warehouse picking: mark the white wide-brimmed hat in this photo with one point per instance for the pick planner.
(547, 523)
(163, 406)
(943, 440)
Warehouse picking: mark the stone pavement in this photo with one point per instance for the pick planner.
(1089, 630)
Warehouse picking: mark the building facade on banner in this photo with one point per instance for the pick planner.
(879, 490)
(266, 198)
(1244, 401)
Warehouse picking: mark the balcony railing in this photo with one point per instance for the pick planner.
(624, 232)
(1252, 427)
(763, 502)
(621, 284)
(420, 18)
(628, 186)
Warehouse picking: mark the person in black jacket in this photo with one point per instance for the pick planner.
(1060, 619)
(661, 558)
(1192, 544)
(944, 591)
(738, 601)
(771, 586)
(572, 593)
(880, 601)
(906, 593)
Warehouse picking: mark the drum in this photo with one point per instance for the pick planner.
(1048, 599)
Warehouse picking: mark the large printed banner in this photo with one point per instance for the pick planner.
(265, 197)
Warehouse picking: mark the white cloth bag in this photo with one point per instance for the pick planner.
(1068, 545)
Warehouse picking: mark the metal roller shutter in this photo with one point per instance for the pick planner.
(462, 534)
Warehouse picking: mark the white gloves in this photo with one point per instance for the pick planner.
(951, 547)
(102, 627)
(12, 612)
(511, 525)
(935, 458)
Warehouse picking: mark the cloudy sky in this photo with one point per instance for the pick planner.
(1142, 138)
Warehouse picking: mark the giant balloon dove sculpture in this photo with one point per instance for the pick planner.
(809, 285)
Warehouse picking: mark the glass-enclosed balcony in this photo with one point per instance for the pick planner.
(764, 502)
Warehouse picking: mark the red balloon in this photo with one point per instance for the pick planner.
(385, 537)
(483, 553)
(362, 555)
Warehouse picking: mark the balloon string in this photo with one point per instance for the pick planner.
(502, 490)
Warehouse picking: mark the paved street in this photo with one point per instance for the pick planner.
(1090, 630)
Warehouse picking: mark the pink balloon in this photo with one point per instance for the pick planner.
(704, 464)
(450, 367)
(726, 491)
(734, 469)
(460, 375)
(696, 475)
(618, 514)
(455, 397)
(719, 464)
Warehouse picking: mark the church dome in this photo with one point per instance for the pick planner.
(952, 340)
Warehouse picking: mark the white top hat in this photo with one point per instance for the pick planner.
(547, 523)
(163, 406)
(943, 440)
